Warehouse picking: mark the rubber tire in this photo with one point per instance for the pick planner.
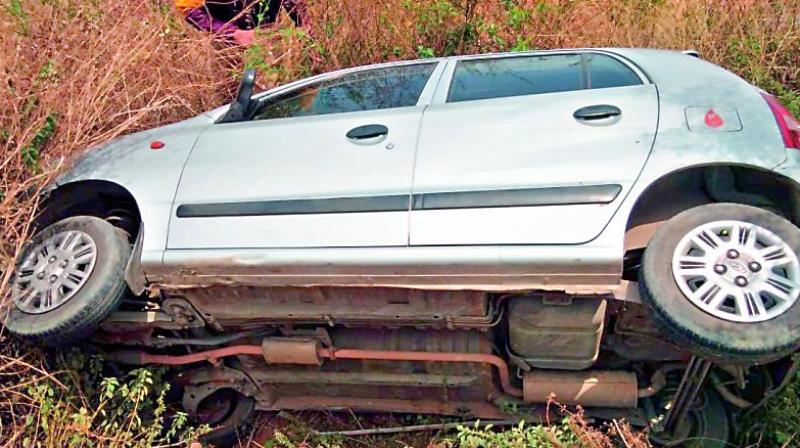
(78, 317)
(689, 326)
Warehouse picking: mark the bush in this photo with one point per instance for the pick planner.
(777, 423)
(78, 405)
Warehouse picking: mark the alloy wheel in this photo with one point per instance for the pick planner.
(737, 271)
(54, 271)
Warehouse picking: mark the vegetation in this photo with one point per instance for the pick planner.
(567, 429)
(81, 406)
(777, 424)
(79, 72)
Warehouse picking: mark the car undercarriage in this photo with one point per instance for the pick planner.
(460, 353)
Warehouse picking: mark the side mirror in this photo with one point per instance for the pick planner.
(240, 108)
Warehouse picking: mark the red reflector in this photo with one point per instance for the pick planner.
(156, 145)
(787, 123)
(713, 120)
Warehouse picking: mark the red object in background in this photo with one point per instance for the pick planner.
(156, 145)
(713, 120)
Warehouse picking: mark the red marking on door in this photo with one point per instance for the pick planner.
(156, 145)
(713, 120)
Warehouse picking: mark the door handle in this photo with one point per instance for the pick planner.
(598, 115)
(369, 134)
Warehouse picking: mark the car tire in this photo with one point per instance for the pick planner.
(84, 259)
(730, 328)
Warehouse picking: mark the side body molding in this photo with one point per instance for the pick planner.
(523, 197)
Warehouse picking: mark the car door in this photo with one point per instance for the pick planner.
(530, 149)
(325, 164)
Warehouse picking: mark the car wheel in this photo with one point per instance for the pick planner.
(723, 281)
(707, 425)
(70, 276)
(227, 412)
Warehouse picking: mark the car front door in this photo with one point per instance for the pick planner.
(530, 149)
(326, 164)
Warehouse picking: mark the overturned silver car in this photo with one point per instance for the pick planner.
(463, 236)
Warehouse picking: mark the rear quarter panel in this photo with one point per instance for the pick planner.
(685, 81)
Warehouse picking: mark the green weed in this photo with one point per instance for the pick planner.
(425, 52)
(777, 424)
(33, 150)
(80, 407)
(16, 11)
(519, 436)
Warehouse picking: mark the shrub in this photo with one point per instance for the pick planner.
(79, 405)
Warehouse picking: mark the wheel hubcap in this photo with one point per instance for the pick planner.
(54, 271)
(737, 271)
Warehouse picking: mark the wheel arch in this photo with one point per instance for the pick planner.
(679, 190)
(98, 198)
(103, 199)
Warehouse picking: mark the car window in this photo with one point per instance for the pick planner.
(495, 78)
(373, 89)
(529, 75)
(605, 71)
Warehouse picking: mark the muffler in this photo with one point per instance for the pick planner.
(291, 351)
(603, 388)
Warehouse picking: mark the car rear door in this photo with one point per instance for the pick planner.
(326, 164)
(530, 149)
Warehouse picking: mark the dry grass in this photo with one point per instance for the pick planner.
(91, 73)
(751, 36)
(564, 429)
(78, 72)
(75, 74)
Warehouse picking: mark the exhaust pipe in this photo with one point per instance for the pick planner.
(602, 388)
(300, 351)
(612, 389)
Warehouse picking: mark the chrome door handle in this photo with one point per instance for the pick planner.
(598, 115)
(369, 134)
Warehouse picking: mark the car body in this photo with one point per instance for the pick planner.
(444, 148)
(453, 216)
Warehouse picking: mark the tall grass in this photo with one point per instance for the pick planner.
(757, 38)
(78, 72)
(75, 73)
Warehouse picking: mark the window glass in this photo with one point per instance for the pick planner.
(380, 88)
(605, 71)
(502, 77)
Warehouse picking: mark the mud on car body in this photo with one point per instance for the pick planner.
(451, 236)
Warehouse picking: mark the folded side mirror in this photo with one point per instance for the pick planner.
(240, 108)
